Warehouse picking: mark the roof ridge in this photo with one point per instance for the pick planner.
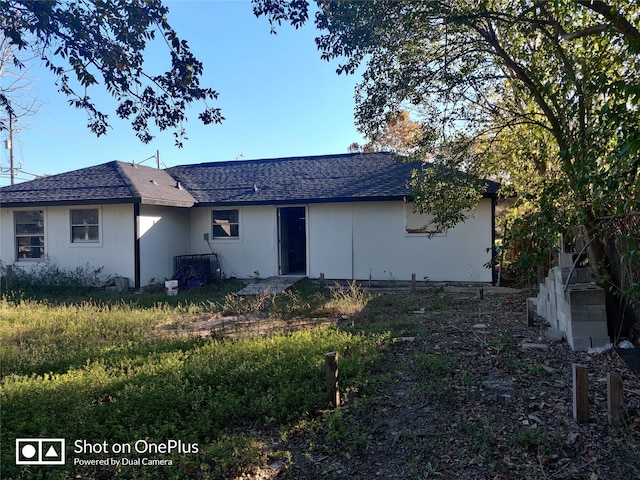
(127, 179)
(278, 159)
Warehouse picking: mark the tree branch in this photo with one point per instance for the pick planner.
(616, 19)
(584, 32)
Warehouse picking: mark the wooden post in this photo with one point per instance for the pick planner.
(333, 392)
(413, 281)
(580, 393)
(615, 408)
(322, 280)
(531, 312)
(480, 293)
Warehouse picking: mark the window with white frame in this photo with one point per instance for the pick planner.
(226, 223)
(421, 223)
(85, 225)
(29, 231)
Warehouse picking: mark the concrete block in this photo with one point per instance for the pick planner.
(578, 295)
(579, 344)
(588, 329)
(597, 313)
(579, 314)
(541, 307)
(597, 342)
(542, 291)
(554, 334)
(585, 275)
(555, 274)
(560, 275)
(561, 323)
(550, 283)
(566, 259)
(564, 307)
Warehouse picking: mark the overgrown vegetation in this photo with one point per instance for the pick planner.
(48, 278)
(433, 384)
(115, 372)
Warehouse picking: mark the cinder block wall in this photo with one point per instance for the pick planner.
(575, 305)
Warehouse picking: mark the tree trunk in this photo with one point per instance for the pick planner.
(605, 274)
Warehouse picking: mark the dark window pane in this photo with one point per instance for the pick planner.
(226, 230)
(226, 223)
(227, 216)
(89, 215)
(85, 233)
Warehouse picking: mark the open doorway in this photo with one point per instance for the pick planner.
(292, 240)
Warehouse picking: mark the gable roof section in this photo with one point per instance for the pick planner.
(112, 182)
(329, 178)
(155, 187)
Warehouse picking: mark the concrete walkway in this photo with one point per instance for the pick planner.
(271, 285)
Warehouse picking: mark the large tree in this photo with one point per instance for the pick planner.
(400, 135)
(90, 42)
(483, 69)
(544, 94)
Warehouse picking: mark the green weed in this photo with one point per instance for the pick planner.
(350, 300)
(114, 373)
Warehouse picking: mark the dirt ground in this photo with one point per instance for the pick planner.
(469, 392)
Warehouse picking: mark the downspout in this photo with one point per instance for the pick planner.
(353, 249)
(136, 245)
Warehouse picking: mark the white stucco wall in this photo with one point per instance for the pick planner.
(344, 241)
(354, 240)
(114, 251)
(254, 251)
(369, 240)
(164, 233)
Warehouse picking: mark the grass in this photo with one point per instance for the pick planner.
(116, 371)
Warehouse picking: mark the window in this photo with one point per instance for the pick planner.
(85, 225)
(226, 224)
(29, 228)
(421, 223)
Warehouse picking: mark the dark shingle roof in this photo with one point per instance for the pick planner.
(329, 178)
(113, 182)
(347, 177)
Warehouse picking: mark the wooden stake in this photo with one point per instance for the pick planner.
(333, 392)
(580, 393)
(531, 312)
(615, 407)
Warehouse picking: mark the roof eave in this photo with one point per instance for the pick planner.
(298, 201)
(66, 203)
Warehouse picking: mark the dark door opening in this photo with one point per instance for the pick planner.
(292, 240)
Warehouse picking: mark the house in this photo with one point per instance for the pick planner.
(347, 216)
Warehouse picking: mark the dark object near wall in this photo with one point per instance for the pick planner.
(194, 271)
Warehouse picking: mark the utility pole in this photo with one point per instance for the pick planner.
(11, 167)
(158, 158)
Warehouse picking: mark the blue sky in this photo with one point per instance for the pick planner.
(278, 97)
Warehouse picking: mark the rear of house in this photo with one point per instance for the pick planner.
(345, 216)
(121, 217)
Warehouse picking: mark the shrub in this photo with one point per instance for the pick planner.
(47, 276)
